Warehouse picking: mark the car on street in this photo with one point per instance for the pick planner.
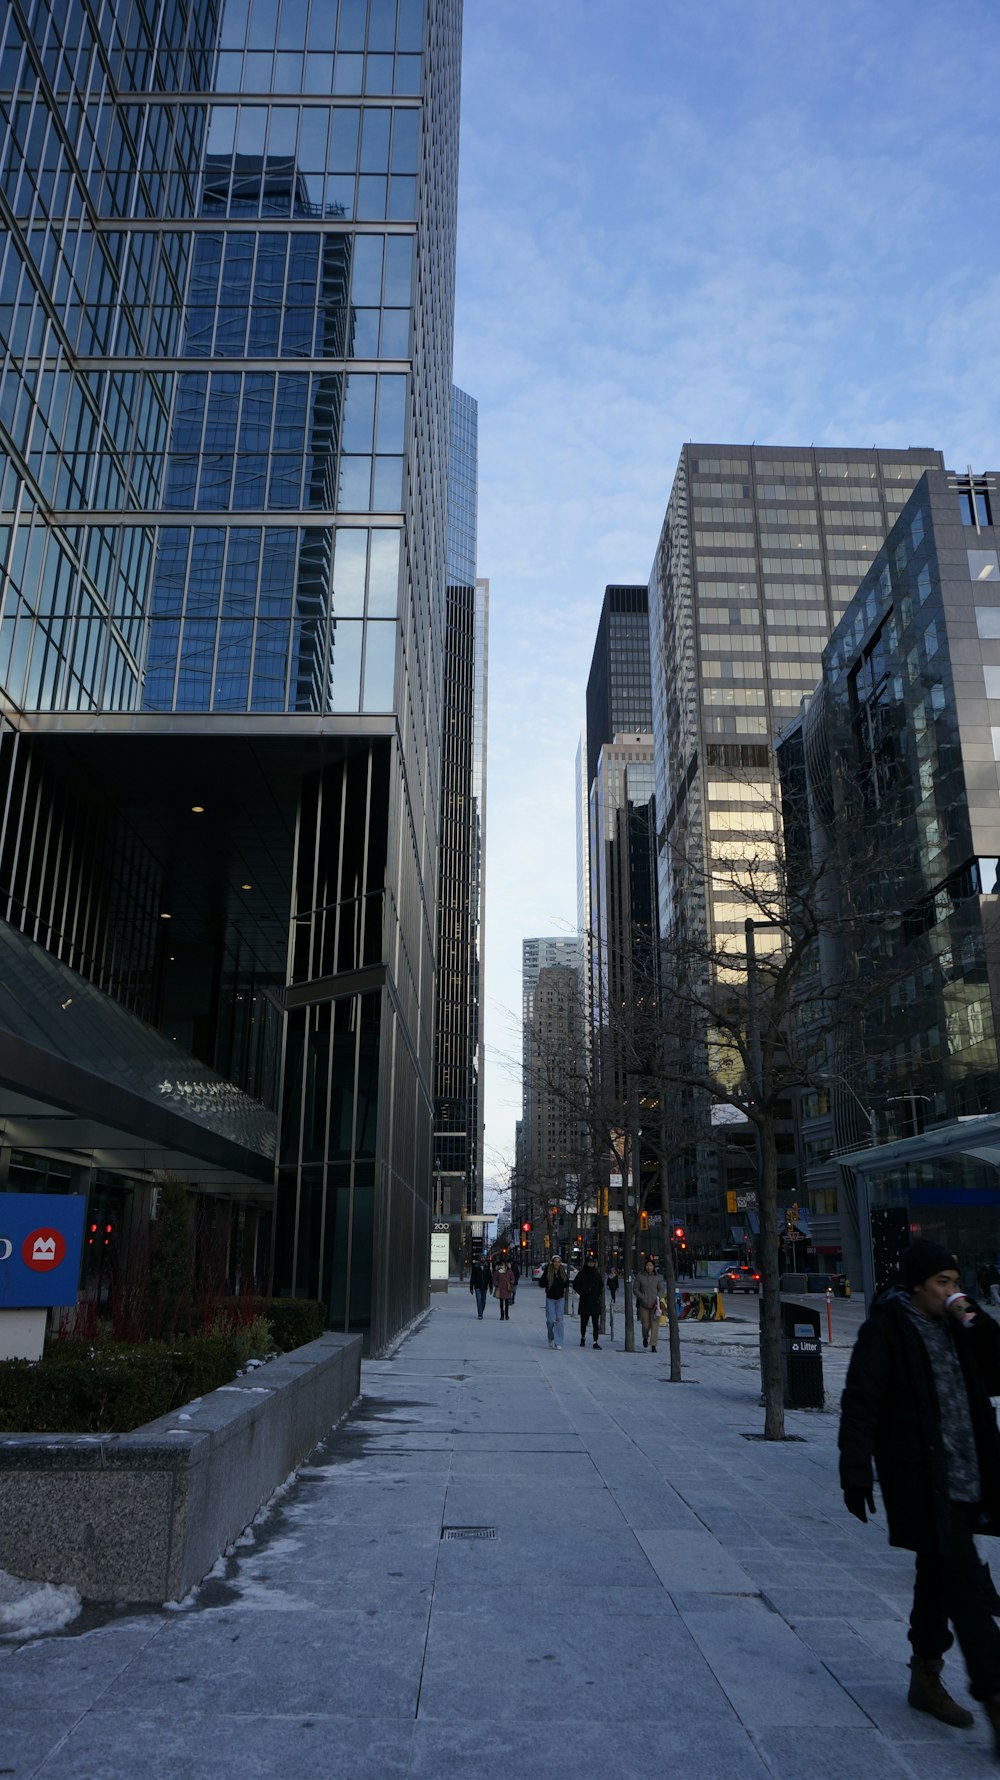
(739, 1279)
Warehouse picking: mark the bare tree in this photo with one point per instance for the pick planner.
(751, 1008)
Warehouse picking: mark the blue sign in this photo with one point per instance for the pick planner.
(41, 1239)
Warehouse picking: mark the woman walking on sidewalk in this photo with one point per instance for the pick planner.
(553, 1283)
(649, 1289)
(503, 1289)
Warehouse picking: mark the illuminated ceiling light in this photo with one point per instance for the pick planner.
(197, 809)
(164, 917)
(246, 886)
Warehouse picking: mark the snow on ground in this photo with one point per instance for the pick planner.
(27, 1609)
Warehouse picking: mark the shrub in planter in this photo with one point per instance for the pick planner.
(107, 1387)
(294, 1321)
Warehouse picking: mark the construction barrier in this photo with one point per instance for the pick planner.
(705, 1307)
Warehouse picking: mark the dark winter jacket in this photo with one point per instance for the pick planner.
(480, 1277)
(588, 1287)
(889, 1413)
(554, 1283)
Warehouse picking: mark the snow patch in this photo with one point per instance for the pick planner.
(29, 1609)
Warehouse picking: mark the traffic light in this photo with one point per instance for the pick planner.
(678, 1232)
(644, 1220)
(526, 1226)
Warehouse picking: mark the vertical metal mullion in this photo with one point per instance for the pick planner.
(8, 791)
(338, 889)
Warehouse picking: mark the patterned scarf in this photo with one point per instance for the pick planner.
(964, 1484)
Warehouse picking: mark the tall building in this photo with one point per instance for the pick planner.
(899, 751)
(619, 708)
(619, 692)
(458, 1068)
(553, 1126)
(224, 417)
(558, 960)
(760, 553)
(623, 901)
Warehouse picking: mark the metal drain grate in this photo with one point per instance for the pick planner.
(468, 1532)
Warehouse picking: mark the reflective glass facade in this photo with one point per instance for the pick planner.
(461, 886)
(761, 551)
(226, 298)
(903, 739)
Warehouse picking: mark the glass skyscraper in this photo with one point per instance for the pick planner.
(616, 812)
(760, 553)
(458, 1064)
(226, 300)
(898, 751)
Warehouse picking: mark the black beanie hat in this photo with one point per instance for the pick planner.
(922, 1259)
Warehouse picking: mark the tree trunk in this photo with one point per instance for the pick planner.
(770, 1337)
(629, 1314)
(673, 1324)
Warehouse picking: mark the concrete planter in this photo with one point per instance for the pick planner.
(144, 1516)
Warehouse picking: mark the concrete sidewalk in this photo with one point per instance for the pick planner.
(644, 1587)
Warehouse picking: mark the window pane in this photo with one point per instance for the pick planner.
(349, 571)
(345, 664)
(383, 574)
(359, 412)
(380, 666)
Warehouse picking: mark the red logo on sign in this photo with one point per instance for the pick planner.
(43, 1250)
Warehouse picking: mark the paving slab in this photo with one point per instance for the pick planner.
(656, 1582)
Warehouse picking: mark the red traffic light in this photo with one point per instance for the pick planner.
(678, 1232)
(526, 1226)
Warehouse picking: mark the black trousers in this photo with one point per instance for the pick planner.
(589, 1316)
(505, 1310)
(952, 1589)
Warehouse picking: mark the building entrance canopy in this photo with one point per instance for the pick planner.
(977, 1135)
(80, 1073)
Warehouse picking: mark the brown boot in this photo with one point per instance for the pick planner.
(928, 1694)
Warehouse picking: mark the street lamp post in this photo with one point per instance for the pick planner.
(828, 1075)
(910, 1099)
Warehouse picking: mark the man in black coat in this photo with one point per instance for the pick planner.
(481, 1282)
(917, 1402)
(588, 1288)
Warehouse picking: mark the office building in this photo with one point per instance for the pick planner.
(458, 1064)
(761, 551)
(545, 1020)
(899, 751)
(619, 710)
(225, 326)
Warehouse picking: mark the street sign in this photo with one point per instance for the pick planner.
(41, 1239)
(724, 1114)
(747, 1201)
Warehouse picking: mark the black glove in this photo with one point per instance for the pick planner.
(857, 1498)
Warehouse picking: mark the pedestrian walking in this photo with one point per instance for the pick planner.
(553, 1283)
(516, 1272)
(613, 1282)
(917, 1405)
(503, 1289)
(588, 1288)
(649, 1289)
(481, 1282)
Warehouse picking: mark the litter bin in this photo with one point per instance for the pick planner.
(801, 1357)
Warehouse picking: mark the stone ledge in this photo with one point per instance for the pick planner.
(144, 1516)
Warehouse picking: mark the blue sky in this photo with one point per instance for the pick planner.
(728, 222)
